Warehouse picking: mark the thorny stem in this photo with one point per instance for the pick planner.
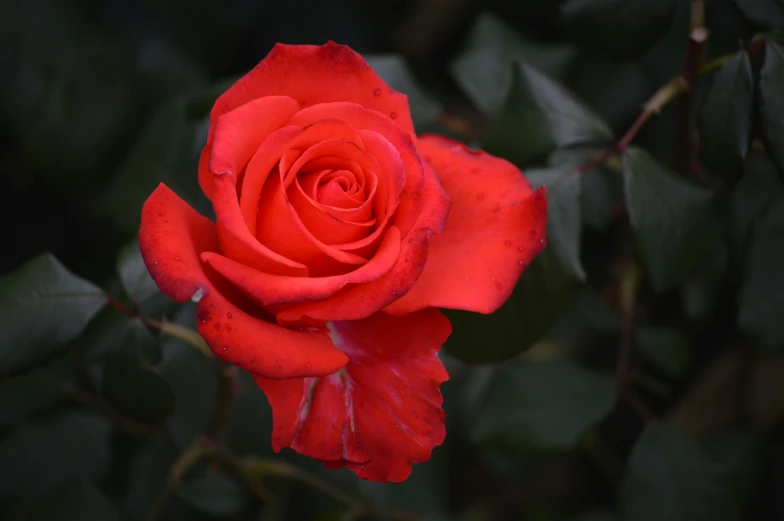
(630, 278)
(222, 413)
(261, 468)
(189, 457)
(693, 59)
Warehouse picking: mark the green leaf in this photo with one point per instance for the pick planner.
(546, 404)
(66, 91)
(251, 419)
(37, 456)
(758, 189)
(666, 347)
(762, 294)
(134, 275)
(725, 117)
(131, 385)
(772, 102)
(34, 392)
(670, 477)
(482, 67)
(563, 214)
(538, 116)
(394, 70)
(42, 307)
(767, 13)
(213, 494)
(701, 291)
(621, 28)
(75, 500)
(669, 215)
(602, 189)
(167, 152)
(541, 295)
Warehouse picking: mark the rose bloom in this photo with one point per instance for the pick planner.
(338, 235)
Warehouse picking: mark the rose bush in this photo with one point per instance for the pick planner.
(338, 234)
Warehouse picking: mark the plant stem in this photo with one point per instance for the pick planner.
(222, 413)
(187, 335)
(189, 457)
(261, 468)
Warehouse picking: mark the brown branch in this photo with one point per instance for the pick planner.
(189, 457)
(261, 468)
(222, 413)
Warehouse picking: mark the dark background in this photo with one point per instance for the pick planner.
(99, 101)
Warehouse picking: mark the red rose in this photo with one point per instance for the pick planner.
(338, 235)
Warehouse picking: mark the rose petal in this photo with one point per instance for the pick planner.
(267, 290)
(289, 142)
(363, 301)
(495, 228)
(171, 238)
(325, 226)
(236, 135)
(334, 73)
(382, 412)
(369, 120)
(236, 240)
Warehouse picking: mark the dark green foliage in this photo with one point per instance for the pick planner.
(633, 375)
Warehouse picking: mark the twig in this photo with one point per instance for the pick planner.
(187, 335)
(189, 457)
(629, 286)
(124, 424)
(261, 468)
(222, 413)
(692, 61)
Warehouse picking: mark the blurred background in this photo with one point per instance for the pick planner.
(601, 394)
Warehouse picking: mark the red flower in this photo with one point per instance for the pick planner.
(334, 244)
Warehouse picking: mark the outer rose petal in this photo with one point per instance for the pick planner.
(236, 136)
(333, 72)
(379, 414)
(171, 238)
(496, 227)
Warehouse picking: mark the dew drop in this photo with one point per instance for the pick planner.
(410, 239)
(176, 258)
(393, 115)
(394, 293)
(520, 262)
(507, 242)
(377, 92)
(541, 241)
(532, 233)
(155, 263)
(224, 348)
(228, 315)
(498, 286)
(521, 248)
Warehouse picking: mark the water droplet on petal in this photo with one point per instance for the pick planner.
(224, 348)
(541, 241)
(393, 115)
(507, 242)
(377, 92)
(498, 286)
(228, 315)
(521, 248)
(410, 239)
